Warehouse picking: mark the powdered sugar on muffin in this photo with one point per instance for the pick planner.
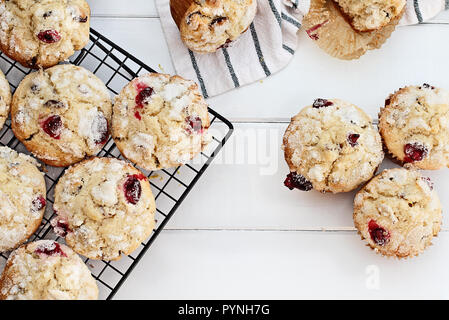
(211, 24)
(104, 208)
(61, 114)
(160, 121)
(5, 99)
(331, 146)
(398, 213)
(415, 126)
(43, 33)
(22, 198)
(46, 270)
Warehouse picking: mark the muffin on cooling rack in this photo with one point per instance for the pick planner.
(62, 114)
(46, 270)
(415, 127)
(209, 25)
(369, 15)
(43, 33)
(331, 146)
(160, 121)
(5, 99)
(398, 213)
(337, 27)
(104, 207)
(22, 198)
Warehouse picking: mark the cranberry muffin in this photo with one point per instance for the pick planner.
(398, 213)
(62, 114)
(104, 207)
(415, 127)
(209, 25)
(22, 198)
(46, 270)
(5, 99)
(331, 146)
(160, 121)
(43, 33)
(369, 15)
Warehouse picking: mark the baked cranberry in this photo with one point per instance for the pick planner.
(194, 124)
(140, 176)
(137, 115)
(53, 249)
(53, 126)
(379, 235)
(143, 97)
(132, 189)
(101, 128)
(38, 204)
(311, 32)
(387, 102)
(320, 103)
(60, 226)
(226, 44)
(353, 138)
(297, 181)
(428, 86)
(54, 104)
(218, 20)
(414, 152)
(81, 19)
(49, 36)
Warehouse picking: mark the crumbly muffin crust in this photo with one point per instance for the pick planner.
(45, 32)
(160, 121)
(398, 213)
(46, 270)
(209, 25)
(5, 99)
(22, 198)
(104, 208)
(415, 126)
(331, 146)
(369, 15)
(62, 114)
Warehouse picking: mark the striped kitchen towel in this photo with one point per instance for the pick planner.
(266, 48)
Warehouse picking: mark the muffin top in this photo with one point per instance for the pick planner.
(415, 126)
(369, 15)
(211, 24)
(22, 198)
(160, 121)
(62, 114)
(398, 213)
(46, 270)
(45, 32)
(104, 207)
(332, 146)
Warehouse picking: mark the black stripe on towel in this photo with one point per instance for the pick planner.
(418, 11)
(447, 4)
(288, 49)
(259, 50)
(275, 11)
(231, 68)
(292, 21)
(198, 74)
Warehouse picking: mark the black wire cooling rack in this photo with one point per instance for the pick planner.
(116, 68)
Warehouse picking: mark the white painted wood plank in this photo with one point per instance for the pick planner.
(243, 189)
(282, 265)
(114, 8)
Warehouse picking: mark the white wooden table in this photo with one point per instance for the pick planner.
(240, 233)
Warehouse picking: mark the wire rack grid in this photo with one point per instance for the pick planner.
(116, 68)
